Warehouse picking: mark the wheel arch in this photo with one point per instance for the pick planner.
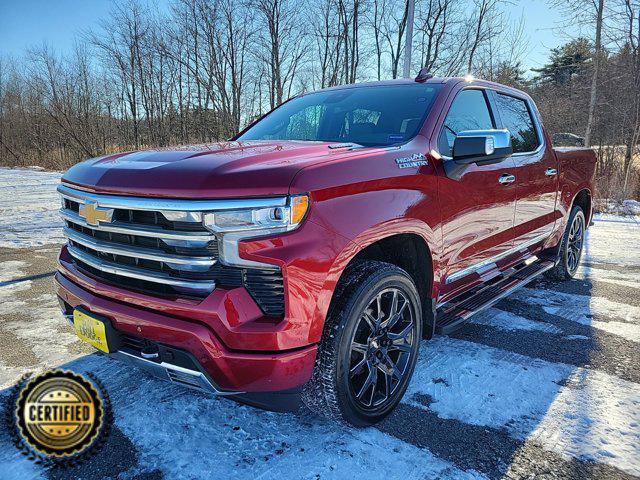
(408, 248)
(584, 200)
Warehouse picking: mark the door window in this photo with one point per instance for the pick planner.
(469, 111)
(517, 118)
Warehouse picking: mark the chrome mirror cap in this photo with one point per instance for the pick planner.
(482, 147)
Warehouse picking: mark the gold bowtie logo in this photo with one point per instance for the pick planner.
(94, 214)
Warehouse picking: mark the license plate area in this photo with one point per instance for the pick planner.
(95, 330)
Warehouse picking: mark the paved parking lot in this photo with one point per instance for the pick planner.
(545, 384)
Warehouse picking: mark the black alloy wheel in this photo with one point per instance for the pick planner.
(381, 349)
(369, 346)
(570, 248)
(574, 244)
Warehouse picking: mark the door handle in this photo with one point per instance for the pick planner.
(550, 172)
(506, 178)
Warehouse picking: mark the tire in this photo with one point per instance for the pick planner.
(359, 344)
(568, 255)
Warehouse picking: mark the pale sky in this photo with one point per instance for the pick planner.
(24, 23)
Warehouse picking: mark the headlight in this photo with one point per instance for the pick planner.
(230, 226)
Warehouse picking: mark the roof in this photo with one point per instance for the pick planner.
(434, 80)
(396, 81)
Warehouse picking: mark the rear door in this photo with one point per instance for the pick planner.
(535, 169)
(478, 209)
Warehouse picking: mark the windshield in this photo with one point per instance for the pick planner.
(370, 116)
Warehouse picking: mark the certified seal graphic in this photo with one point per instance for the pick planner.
(59, 415)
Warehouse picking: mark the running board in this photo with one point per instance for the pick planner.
(454, 314)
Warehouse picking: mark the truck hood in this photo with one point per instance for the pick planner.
(228, 169)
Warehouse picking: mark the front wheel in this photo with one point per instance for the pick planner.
(369, 346)
(571, 245)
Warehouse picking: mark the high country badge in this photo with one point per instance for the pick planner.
(415, 160)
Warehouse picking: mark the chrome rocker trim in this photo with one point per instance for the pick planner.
(474, 268)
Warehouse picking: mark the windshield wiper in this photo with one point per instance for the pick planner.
(343, 145)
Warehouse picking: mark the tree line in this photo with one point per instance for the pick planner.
(200, 70)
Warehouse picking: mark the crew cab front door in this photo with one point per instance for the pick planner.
(536, 169)
(477, 208)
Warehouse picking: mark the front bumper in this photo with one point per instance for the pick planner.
(223, 370)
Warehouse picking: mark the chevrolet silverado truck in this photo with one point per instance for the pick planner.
(302, 262)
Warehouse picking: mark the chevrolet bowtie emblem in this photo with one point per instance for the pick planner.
(94, 214)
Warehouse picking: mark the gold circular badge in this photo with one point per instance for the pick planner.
(59, 414)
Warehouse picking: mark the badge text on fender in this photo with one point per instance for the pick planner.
(415, 160)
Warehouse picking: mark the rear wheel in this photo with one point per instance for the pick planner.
(369, 347)
(571, 245)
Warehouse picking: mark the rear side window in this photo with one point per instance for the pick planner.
(517, 118)
(469, 111)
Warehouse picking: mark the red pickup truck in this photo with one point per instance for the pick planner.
(304, 260)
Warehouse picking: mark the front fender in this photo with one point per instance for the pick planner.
(362, 197)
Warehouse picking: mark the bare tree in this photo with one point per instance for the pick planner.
(282, 45)
(589, 13)
(432, 28)
(631, 17)
(328, 42)
(378, 14)
(596, 69)
(203, 69)
(484, 26)
(393, 32)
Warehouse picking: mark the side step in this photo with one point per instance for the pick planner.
(454, 314)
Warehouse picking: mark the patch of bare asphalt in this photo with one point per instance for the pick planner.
(38, 269)
(13, 352)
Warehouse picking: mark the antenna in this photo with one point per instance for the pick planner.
(423, 76)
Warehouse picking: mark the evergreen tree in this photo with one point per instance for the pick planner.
(566, 62)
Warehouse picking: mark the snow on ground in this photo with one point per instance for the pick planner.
(10, 270)
(621, 319)
(586, 421)
(573, 411)
(38, 322)
(623, 208)
(609, 276)
(239, 439)
(569, 406)
(29, 208)
(508, 321)
(615, 241)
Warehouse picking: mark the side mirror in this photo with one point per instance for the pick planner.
(482, 147)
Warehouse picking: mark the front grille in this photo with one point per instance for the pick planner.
(160, 247)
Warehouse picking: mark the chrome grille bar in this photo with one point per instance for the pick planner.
(155, 245)
(140, 274)
(167, 204)
(136, 252)
(138, 230)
